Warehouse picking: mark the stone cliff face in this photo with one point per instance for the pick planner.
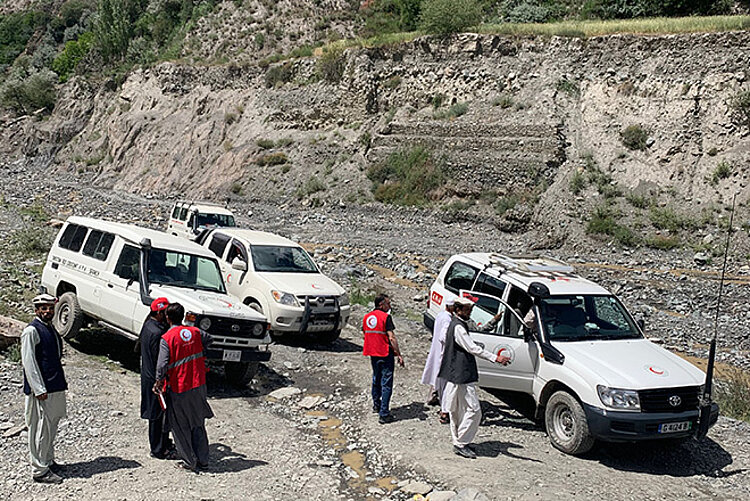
(535, 109)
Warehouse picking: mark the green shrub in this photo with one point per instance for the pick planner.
(503, 100)
(75, 50)
(733, 395)
(527, 11)
(740, 106)
(444, 17)
(437, 100)
(577, 182)
(13, 353)
(332, 64)
(280, 74)
(639, 201)
(604, 221)
(277, 158)
(311, 186)
(407, 177)
(634, 137)
(506, 203)
(30, 243)
(722, 171)
(284, 142)
(392, 82)
(666, 218)
(25, 92)
(663, 242)
(266, 144)
(390, 16)
(454, 111)
(16, 29)
(568, 87)
(357, 295)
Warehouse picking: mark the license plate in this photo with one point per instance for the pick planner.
(232, 356)
(674, 427)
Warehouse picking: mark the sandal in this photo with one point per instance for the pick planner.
(445, 418)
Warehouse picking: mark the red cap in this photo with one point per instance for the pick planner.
(159, 304)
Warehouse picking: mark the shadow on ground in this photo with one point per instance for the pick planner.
(341, 345)
(101, 343)
(414, 410)
(494, 448)
(264, 382)
(224, 460)
(102, 464)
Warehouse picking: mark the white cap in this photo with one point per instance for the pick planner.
(464, 301)
(450, 301)
(44, 299)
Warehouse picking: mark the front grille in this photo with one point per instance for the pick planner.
(659, 400)
(222, 326)
(319, 303)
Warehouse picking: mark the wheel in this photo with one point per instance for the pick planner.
(68, 317)
(566, 424)
(240, 373)
(252, 303)
(328, 337)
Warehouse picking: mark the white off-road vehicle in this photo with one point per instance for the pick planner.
(584, 359)
(110, 272)
(189, 219)
(277, 277)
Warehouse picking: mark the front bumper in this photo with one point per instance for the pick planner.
(619, 426)
(309, 319)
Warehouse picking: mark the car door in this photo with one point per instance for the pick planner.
(122, 293)
(507, 339)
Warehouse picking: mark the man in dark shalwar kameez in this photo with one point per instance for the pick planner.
(153, 329)
(182, 365)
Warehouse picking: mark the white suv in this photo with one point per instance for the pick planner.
(189, 219)
(110, 272)
(584, 360)
(278, 278)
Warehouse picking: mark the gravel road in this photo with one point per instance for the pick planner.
(320, 441)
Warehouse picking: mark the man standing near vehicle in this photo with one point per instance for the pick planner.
(153, 329)
(44, 385)
(435, 357)
(381, 346)
(182, 363)
(459, 368)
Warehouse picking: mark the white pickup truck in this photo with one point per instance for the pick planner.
(189, 219)
(582, 358)
(278, 278)
(110, 272)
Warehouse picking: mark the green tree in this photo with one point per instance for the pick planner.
(444, 17)
(66, 62)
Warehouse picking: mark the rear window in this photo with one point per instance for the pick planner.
(98, 245)
(490, 285)
(73, 237)
(176, 212)
(460, 276)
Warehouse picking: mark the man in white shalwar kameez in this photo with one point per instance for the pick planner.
(435, 357)
(459, 369)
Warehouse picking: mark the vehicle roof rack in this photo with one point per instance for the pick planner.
(529, 263)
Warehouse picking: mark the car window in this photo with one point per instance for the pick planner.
(460, 276)
(128, 263)
(215, 220)
(576, 318)
(282, 259)
(522, 303)
(183, 213)
(176, 212)
(490, 285)
(98, 244)
(218, 244)
(73, 237)
(236, 250)
(485, 308)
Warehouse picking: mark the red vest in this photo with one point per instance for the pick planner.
(376, 337)
(187, 363)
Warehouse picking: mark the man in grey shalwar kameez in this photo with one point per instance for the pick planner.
(181, 363)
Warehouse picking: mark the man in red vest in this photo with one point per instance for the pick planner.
(381, 346)
(182, 366)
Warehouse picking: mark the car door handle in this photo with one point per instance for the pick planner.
(481, 345)
(110, 286)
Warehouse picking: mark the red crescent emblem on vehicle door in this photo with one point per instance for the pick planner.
(437, 298)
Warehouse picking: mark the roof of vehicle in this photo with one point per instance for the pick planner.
(258, 237)
(521, 271)
(135, 234)
(207, 208)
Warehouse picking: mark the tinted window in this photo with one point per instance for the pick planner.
(183, 213)
(215, 220)
(460, 276)
(176, 212)
(73, 237)
(128, 263)
(218, 244)
(280, 259)
(98, 245)
(490, 285)
(522, 303)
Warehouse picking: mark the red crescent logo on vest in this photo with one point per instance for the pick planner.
(372, 321)
(186, 335)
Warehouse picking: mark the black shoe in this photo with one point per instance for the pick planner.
(202, 466)
(386, 419)
(184, 466)
(434, 400)
(464, 452)
(375, 409)
(56, 468)
(49, 478)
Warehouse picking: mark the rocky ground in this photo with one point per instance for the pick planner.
(315, 439)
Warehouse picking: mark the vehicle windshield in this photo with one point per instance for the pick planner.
(582, 318)
(223, 220)
(179, 269)
(280, 259)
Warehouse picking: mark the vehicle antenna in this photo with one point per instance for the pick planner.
(705, 410)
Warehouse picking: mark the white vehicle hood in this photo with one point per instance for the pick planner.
(635, 364)
(207, 303)
(302, 284)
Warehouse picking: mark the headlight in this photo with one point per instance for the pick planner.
(258, 330)
(285, 298)
(344, 299)
(619, 399)
(205, 323)
(190, 318)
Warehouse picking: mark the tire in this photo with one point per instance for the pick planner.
(240, 373)
(328, 337)
(256, 306)
(68, 318)
(566, 424)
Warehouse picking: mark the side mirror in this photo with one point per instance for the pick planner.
(641, 324)
(239, 264)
